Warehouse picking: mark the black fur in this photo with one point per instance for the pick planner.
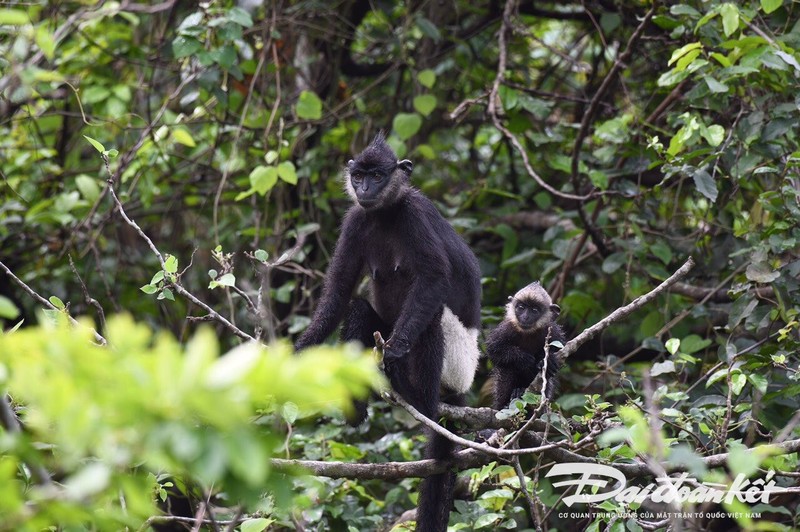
(516, 346)
(417, 264)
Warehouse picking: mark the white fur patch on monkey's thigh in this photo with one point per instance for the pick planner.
(461, 353)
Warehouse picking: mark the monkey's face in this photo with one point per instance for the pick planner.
(532, 315)
(375, 183)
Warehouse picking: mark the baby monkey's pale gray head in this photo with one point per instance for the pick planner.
(531, 309)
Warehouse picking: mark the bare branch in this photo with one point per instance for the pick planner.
(97, 337)
(622, 312)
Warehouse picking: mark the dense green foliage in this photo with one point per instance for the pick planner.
(615, 140)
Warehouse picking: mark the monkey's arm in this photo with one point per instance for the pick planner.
(502, 351)
(340, 280)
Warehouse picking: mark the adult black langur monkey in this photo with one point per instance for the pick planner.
(516, 346)
(424, 296)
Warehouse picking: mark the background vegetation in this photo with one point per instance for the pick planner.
(180, 163)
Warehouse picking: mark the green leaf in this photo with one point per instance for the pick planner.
(88, 187)
(730, 18)
(761, 272)
(425, 103)
(171, 264)
(715, 86)
(111, 153)
(56, 302)
(427, 78)
(737, 383)
(659, 368)
(8, 309)
(770, 5)
(158, 277)
(240, 17)
(683, 50)
(227, 280)
(672, 345)
(406, 125)
(743, 461)
(261, 255)
(714, 134)
(662, 251)
(263, 178)
(166, 294)
(271, 156)
(694, 343)
(613, 262)
(309, 106)
(705, 184)
(182, 136)
(287, 172)
(428, 28)
(183, 46)
(256, 525)
(149, 289)
(99, 147)
(13, 17)
(485, 520)
(45, 41)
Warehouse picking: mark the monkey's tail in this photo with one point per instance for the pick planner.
(436, 491)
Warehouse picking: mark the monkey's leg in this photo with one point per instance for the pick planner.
(360, 325)
(417, 378)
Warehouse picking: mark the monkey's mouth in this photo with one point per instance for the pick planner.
(368, 203)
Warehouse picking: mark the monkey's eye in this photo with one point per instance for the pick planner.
(520, 307)
(377, 177)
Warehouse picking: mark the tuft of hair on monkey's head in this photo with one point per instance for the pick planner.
(375, 179)
(531, 309)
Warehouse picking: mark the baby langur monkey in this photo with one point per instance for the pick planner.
(517, 346)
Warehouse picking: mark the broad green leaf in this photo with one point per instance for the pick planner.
(770, 5)
(743, 461)
(427, 78)
(737, 383)
(683, 50)
(8, 310)
(662, 251)
(672, 345)
(263, 178)
(227, 280)
(261, 255)
(256, 525)
(659, 368)
(309, 106)
(613, 262)
(271, 156)
(761, 272)
(694, 343)
(730, 18)
(182, 136)
(406, 125)
(425, 103)
(13, 17)
(88, 187)
(714, 134)
(149, 289)
(715, 86)
(705, 184)
(171, 264)
(240, 17)
(45, 41)
(183, 46)
(287, 172)
(166, 294)
(428, 28)
(56, 302)
(99, 147)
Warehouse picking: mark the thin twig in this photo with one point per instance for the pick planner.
(97, 337)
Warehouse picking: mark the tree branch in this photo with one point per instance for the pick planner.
(573, 345)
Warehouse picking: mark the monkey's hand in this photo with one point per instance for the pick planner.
(394, 349)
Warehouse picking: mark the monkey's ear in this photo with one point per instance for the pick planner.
(350, 164)
(511, 298)
(555, 309)
(406, 166)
